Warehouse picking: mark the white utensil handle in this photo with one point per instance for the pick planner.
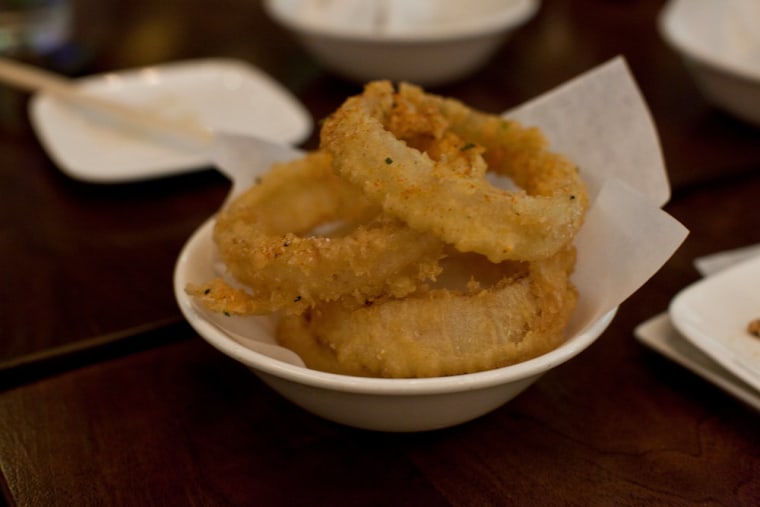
(31, 78)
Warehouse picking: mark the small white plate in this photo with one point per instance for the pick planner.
(659, 334)
(713, 314)
(218, 94)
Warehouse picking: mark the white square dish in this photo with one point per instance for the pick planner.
(713, 315)
(217, 94)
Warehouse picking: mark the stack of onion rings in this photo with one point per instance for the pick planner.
(406, 175)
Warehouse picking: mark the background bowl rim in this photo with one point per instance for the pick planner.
(665, 24)
(521, 12)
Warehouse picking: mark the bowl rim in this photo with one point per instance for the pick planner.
(367, 385)
(665, 24)
(517, 13)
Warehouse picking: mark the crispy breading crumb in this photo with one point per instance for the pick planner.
(753, 328)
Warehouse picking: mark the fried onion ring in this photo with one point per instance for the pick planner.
(262, 239)
(465, 210)
(442, 331)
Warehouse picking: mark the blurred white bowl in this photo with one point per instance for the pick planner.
(720, 42)
(398, 405)
(428, 42)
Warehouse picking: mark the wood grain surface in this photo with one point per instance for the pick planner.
(108, 398)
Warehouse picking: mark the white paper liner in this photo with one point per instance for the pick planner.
(600, 121)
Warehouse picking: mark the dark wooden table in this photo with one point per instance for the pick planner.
(108, 398)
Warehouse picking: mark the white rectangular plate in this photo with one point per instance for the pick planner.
(218, 94)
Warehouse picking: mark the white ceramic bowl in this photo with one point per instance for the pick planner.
(427, 42)
(397, 405)
(719, 41)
